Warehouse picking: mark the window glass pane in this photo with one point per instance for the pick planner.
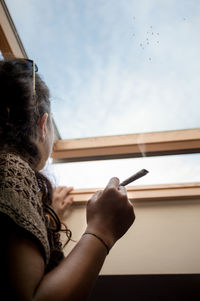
(94, 174)
(115, 67)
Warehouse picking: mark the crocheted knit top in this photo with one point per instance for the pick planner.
(20, 200)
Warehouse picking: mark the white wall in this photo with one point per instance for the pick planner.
(165, 238)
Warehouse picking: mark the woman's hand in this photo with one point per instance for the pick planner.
(110, 213)
(61, 200)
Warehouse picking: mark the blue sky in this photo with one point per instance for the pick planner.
(116, 67)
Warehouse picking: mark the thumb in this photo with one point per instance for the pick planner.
(113, 183)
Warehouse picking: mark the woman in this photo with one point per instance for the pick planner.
(33, 265)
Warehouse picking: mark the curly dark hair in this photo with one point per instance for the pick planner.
(20, 111)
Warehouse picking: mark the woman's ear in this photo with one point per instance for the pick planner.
(43, 127)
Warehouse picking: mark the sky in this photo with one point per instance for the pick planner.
(117, 67)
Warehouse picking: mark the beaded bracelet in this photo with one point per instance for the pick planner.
(103, 242)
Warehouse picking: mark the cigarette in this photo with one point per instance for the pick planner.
(136, 176)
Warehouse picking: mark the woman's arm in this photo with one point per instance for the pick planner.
(109, 215)
(71, 280)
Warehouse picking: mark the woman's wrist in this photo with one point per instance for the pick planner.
(100, 239)
(106, 239)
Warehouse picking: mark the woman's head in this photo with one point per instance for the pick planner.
(25, 117)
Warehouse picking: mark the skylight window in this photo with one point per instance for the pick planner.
(114, 68)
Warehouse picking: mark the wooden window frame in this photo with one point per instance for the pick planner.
(164, 192)
(10, 42)
(133, 146)
(127, 146)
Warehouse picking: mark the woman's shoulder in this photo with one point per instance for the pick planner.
(16, 172)
(10, 162)
(20, 198)
(18, 181)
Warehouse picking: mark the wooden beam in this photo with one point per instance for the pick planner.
(10, 42)
(4, 45)
(127, 146)
(170, 192)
